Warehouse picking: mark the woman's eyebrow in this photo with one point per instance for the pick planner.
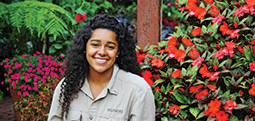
(95, 40)
(109, 42)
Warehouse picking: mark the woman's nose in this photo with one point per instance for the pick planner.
(102, 51)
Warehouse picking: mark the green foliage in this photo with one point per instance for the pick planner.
(37, 16)
(205, 70)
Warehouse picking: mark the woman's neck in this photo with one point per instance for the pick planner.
(97, 78)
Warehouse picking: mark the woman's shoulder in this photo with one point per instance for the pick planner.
(133, 79)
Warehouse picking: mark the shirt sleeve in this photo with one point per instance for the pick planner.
(143, 108)
(55, 109)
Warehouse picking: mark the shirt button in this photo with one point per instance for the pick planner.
(90, 118)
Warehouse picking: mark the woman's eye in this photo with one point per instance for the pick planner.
(111, 47)
(94, 45)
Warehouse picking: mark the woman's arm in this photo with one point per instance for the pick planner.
(55, 109)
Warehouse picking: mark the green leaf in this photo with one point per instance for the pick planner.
(226, 93)
(181, 98)
(247, 53)
(241, 106)
(58, 46)
(202, 114)
(222, 64)
(52, 50)
(194, 111)
(158, 81)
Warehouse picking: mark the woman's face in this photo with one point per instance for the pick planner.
(101, 50)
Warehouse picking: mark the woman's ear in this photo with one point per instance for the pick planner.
(118, 53)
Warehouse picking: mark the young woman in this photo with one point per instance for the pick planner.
(102, 77)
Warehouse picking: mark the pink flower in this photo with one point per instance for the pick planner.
(61, 56)
(19, 93)
(1, 64)
(14, 58)
(10, 71)
(29, 64)
(23, 56)
(35, 87)
(197, 62)
(218, 19)
(25, 94)
(29, 70)
(2, 82)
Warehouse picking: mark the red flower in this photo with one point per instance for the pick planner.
(229, 105)
(251, 2)
(197, 62)
(203, 70)
(193, 54)
(176, 74)
(187, 41)
(209, 1)
(171, 50)
(180, 55)
(214, 11)
(240, 93)
(200, 12)
(148, 80)
(174, 109)
(80, 17)
(140, 57)
(240, 49)
(171, 41)
(213, 76)
(196, 31)
(230, 45)
(252, 66)
(215, 67)
(252, 90)
(214, 107)
(157, 89)
(200, 95)
(195, 88)
(157, 62)
(192, 1)
(239, 12)
(224, 29)
(252, 42)
(234, 33)
(235, 25)
(192, 8)
(149, 56)
(219, 54)
(211, 87)
(222, 116)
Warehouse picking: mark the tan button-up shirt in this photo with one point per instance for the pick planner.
(127, 97)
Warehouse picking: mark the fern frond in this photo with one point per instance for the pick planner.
(40, 16)
(17, 17)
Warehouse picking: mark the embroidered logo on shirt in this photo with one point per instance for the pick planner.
(115, 110)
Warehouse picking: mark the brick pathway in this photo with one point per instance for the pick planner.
(6, 109)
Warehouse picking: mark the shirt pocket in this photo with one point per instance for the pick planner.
(74, 116)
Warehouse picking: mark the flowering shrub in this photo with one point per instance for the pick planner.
(37, 107)
(205, 69)
(26, 73)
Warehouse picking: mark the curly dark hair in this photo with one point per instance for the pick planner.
(77, 66)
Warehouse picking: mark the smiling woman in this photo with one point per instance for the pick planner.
(102, 77)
